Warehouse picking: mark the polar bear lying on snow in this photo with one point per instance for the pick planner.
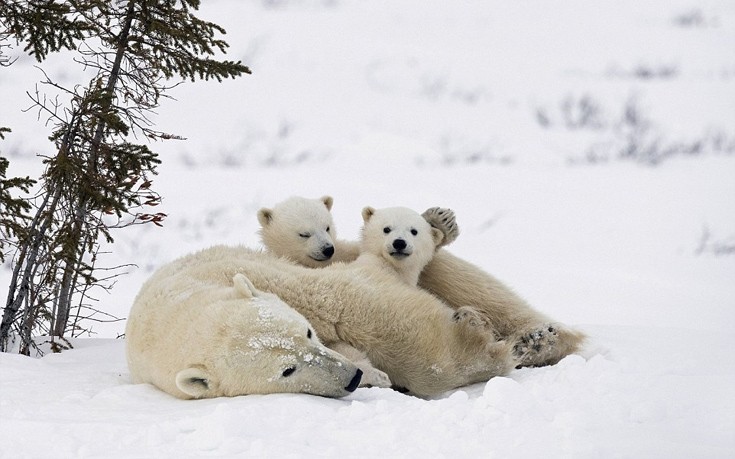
(195, 337)
(406, 332)
(302, 230)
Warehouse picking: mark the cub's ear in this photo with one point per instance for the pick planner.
(328, 201)
(437, 236)
(367, 213)
(195, 382)
(265, 216)
(243, 286)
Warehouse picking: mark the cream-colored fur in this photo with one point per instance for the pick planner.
(398, 240)
(404, 331)
(303, 231)
(537, 340)
(198, 333)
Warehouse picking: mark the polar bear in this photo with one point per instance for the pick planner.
(302, 230)
(302, 223)
(400, 241)
(404, 331)
(537, 339)
(196, 338)
(397, 239)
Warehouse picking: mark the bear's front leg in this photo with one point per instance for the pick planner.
(371, 376)
(469, 315)
(445, 221)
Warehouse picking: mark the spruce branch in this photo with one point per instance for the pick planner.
(100, 178)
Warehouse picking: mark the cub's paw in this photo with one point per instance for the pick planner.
(469, 316)
(372, 377)
(533, 348)
(445, 221)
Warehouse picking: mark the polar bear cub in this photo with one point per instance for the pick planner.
(197, 339)
(402, 241)
(399, 239)
(300, 229)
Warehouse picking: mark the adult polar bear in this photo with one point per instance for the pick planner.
(196, 338)
(404, 331)
(302, 230)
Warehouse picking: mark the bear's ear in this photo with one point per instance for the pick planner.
(437, 236)
(265, 216)
(367, 213)
(195, 381)
(243, 286)
(328, 201)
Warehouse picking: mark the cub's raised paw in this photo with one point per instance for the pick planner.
(445, 221)
(534, 347)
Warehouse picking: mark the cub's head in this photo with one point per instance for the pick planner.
(400, 236)
(264, 347)
(300, 229)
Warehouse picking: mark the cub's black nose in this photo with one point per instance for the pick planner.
(399, 244)
(355, 381)
(328, 251)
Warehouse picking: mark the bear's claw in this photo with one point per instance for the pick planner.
(535, 343)
(469, 315)
(445, 221)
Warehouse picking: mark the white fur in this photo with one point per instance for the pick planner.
(398, 239)
(196, 337)
(458, 283)
(405, 332)
(310, 239)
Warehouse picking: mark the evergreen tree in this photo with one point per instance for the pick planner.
(13, 211)
(97, 179)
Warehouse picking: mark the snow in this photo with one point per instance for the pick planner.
(477, 107)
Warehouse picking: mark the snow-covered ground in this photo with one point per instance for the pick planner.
(514, 114)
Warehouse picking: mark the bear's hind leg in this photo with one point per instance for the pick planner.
(545, 344)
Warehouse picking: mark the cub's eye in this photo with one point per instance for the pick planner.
(308, 334)
(386, 230)
(288, 372)
(414, 232)
(327, 229)
(305, 235)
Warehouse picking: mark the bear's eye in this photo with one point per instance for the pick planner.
(305, 235)
(327, 229)
(308, 334)
(288, 372)
(414, 232)
(386, 230)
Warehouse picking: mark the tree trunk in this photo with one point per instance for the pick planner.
(72, 265)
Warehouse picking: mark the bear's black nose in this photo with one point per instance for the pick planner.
(355, 381)
(399, 244)
(328, 251)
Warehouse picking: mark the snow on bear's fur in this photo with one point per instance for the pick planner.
(537, 339)
(195, 337)
(404, 331)
(398, 239)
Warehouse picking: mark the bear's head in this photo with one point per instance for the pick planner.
(300, 229)
(401, 237)
(263, 346)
